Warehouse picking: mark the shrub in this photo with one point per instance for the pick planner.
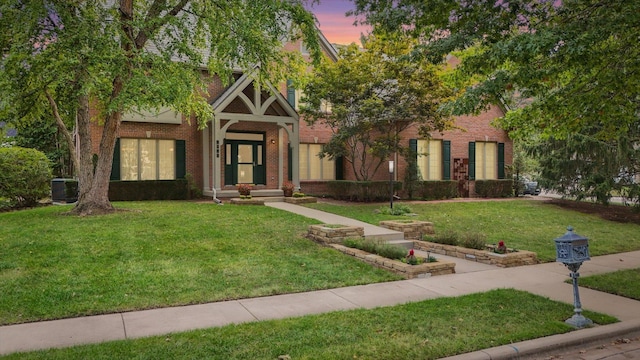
(365, 191)
(437, 189)
(494, 188)
(376, 247)
(398, 209)
(149, 190)
(25, 176)
(446, 238)
(473, 240)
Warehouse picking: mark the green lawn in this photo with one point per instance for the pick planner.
(618, 283)
(521, 224)
(158, 254)
(422, 330)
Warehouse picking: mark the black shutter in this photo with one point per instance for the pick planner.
(446, 160)
(291, 94)
(339, 168)
(501, 174)
(115, 166)
(181, 159)
(472, 160)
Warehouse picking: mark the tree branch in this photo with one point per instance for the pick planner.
(63, 129)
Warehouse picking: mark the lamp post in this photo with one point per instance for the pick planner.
(391, 182)
(571, 250)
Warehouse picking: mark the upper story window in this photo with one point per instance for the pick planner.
(303, 48)
(161, 116)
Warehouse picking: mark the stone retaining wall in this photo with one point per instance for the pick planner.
(510, 259)
(332, 235)
(301, 200)
(412, 229)
(441, 267)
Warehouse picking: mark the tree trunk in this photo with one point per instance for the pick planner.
(93, 197)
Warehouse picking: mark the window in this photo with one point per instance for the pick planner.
(430, 159)
(486, 160)
(303, 48)
(147, 159)
(312, 167)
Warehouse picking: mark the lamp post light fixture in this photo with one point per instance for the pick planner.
(391, 183)
(571, 250)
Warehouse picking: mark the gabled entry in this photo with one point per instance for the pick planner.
(236, 147)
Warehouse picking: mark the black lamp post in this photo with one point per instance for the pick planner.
(571, 250)
(391, 182)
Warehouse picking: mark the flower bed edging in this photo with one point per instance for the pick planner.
(301, 200)
(412, 229)
(331, 234)
(252, 201)
(440, 267)
(510, 259)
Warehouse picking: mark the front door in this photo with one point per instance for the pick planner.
(244, 162)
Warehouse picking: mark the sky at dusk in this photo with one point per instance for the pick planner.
(335, 26)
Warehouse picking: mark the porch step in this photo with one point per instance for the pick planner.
(408, 244)
(224, 194)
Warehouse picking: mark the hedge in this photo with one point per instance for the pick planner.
(364, 191)
(436, 189)
(494, 188)
(148, 190)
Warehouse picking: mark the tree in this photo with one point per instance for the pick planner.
(562, 67)
(95, 60)
(369, 96)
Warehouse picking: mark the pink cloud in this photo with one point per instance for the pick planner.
(333, 23)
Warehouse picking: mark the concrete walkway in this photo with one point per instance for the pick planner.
(544, 279)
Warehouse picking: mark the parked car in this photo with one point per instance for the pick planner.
(530, 187)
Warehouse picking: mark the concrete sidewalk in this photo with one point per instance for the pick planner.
(544, 279)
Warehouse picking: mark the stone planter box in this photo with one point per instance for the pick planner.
(440, 267)
(510, 259)
(332, 234)
(301, 200)
(252, 201)
(412, 229)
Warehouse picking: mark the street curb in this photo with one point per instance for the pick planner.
(550, 345)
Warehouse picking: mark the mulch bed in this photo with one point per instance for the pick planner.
(618, 213)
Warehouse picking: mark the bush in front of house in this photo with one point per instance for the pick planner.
(149, 190)
(494, 188)
(362, 191)
(436, 189)
(25, 176)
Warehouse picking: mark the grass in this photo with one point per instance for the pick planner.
(617, 283)
(423, 330)
(521, 224)
(158, 254)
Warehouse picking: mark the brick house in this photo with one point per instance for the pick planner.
(257, 137)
